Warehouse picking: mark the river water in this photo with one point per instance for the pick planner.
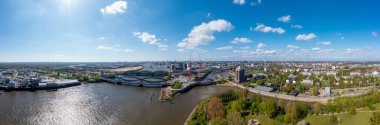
(101, 103)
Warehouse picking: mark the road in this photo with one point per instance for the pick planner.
(322, 100)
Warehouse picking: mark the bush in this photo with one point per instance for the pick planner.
(352, 111)
(218, 121)
(333, 119)
(280, 118)
(371, 107)
(177, 85)
(375, 119)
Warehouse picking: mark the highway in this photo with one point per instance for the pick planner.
(322, 100)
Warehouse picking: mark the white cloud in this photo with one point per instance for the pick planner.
(203, 34)
(115, 8)
(265, 29)
(224, 48)
(197, 50)
(151, 39)
(261, 46)
(305, 37)
(245, 47)
(208, 15)
(241, 40)
(109, 48)
(292, 47)
(240, 51)
(146, 37)
(101, 47)
(325, 50)
(270, 51)
(296, 26)
(240, 2)
(374, 34)
(316, 49)
(256, 3)
(340, 36)
(263, 52)
(324, 43)
(319, 50)
(181, 50)
(162, 47)
(353, 51)
(102, 38)
(285, 19)
(128, 50)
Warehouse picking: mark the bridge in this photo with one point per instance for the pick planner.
(140, 81)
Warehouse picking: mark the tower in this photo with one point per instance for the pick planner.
(239, 74)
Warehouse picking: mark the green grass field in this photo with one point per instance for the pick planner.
(361, 118)
(264, 120)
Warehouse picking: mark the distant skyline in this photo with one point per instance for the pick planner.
(168, 30)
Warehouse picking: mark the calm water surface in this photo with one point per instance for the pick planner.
(101, 103)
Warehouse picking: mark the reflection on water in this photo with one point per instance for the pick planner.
(99, 104)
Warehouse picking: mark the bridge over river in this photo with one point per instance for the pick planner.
(140, 81)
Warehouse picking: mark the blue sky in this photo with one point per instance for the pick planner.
(151, 30)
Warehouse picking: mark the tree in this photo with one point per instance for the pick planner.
(291, 113)
(215, 108)
(352, 111)
(177, 85)
(169, 76)
(315, 91)
(268, 107)
(375, 119)
(255, 108)
(234, 118)
(230, 78)
(242, 104)
(197, 78)
(218, 121)
(317, 108)
(333, 119)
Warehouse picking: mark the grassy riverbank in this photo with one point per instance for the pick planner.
(236, 107)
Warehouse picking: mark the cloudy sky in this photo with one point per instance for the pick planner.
(160, 30)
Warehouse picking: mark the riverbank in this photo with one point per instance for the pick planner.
(55, 87)
(191, 114)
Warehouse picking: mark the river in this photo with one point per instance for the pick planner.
(100, 103)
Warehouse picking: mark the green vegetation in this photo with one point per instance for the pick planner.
(375, 119)
(236, 108)
(345, 103)
(177, 85)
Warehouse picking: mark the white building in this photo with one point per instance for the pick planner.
(327, 91)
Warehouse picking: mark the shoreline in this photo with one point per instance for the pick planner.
(192, 112)
(61, 86)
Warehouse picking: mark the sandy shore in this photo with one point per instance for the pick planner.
(125, 69)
